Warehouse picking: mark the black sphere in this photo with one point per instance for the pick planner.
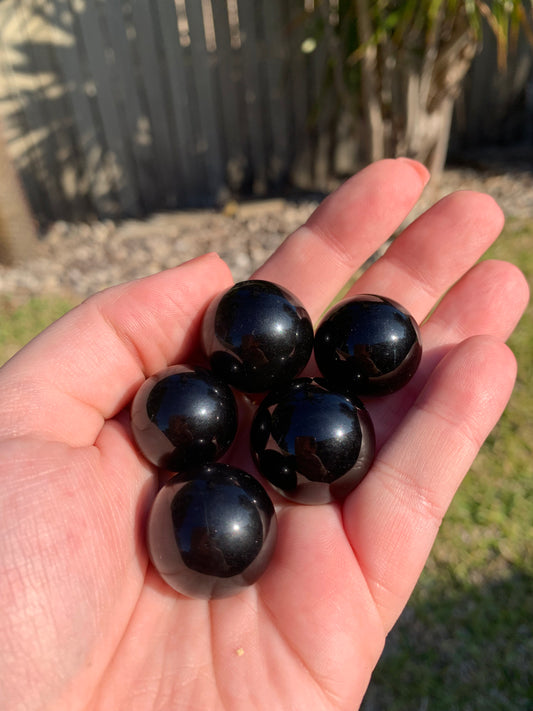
(183, 416)
(257, 336)
(368, 345)
(211, 531)
(313, 444)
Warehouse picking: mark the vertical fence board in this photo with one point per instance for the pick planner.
(176, 67)
(255, 119)
(229, 80)
(13, 114)
(90, 176)
(302, 164)
(210, 146)
(145, 41)
(320, 111)
(67, 163)
(125, 88)
(54, 139)
(35, 106)
(275, 63)
(120, 167)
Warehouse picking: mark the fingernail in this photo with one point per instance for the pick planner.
(421, 169)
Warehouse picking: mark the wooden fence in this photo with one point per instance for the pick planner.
(119, 108)
(122, 107)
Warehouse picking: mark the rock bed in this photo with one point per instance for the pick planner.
(80, 259)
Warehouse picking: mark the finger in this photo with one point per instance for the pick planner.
(434, 252)
(488, 300)
(87, 366)
(392, 518)
(317, 260)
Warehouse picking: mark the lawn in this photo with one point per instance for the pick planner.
(465, 641)
(22, 319)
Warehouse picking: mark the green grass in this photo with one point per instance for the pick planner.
(22, 319)
(465, 641)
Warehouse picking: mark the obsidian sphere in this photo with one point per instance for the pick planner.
(211, 531)
(312, 443)
(257, 336)
(368, 345)
(183, 416)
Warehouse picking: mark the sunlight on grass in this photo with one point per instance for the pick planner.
(21, 320)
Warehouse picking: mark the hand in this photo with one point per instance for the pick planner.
(86, 621)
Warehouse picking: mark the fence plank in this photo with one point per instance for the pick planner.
(254, 115)
(91, 176)
(209, 147)
(55, 139)
(190, 173)
(229, 80)
(12, 110)
(35, 107)
(302, 157)
(320, 110)
(144, 39)
(135, 118)
(275, 62)
(58, 44)
(117, 158)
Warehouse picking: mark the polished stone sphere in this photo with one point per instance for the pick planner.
(211, 531)
(312, 443)
(183, 416)
(257, 336)
(368, 345)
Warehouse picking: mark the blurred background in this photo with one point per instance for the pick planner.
(135, 135)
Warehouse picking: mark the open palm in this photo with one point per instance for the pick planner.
(87, 623)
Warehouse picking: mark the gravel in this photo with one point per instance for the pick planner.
(80, 259)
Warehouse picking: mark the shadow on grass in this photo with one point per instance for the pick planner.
(460, 648)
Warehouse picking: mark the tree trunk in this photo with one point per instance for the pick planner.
(18, 234)
(427, 132)
(370, 87)
(407, 101)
